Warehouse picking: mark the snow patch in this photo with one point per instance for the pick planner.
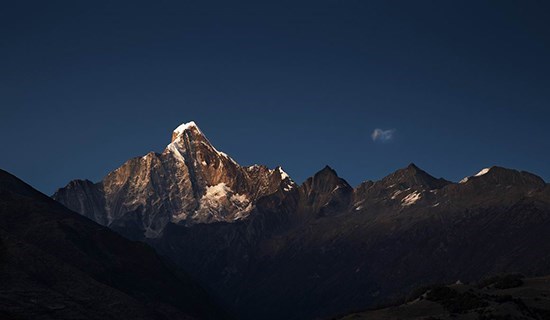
(411, 199)
(220, 203)
(479, 174)
(215, 192)
(284, 178)
(482, 172)
(284, 175)
(398, 192)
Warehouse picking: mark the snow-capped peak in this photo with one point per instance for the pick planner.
(186, 126)
(198, 138)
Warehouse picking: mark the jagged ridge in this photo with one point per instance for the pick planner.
(189, 182)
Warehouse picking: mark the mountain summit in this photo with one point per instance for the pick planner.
(189, 182)
(189, 127)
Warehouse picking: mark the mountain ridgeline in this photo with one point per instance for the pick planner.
(270, 249)
(190, 182)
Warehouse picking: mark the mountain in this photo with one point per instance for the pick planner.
(189, 182)
(56, 264)
(383, 240)
(324, 247)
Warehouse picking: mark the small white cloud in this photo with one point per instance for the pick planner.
(382, 135)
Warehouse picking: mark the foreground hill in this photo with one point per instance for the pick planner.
(501, 297)
(56, 264)
(323, 247)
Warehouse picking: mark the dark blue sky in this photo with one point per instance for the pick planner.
(86, 85)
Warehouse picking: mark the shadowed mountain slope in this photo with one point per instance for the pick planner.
(56, 264)
(308, 259)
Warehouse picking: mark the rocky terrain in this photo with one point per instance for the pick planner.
(324, 247)
(56, 264)
(500, 297)
(190, 182)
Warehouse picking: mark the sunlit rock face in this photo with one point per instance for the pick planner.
(189, 182)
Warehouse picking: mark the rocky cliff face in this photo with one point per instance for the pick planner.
(190, 182)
